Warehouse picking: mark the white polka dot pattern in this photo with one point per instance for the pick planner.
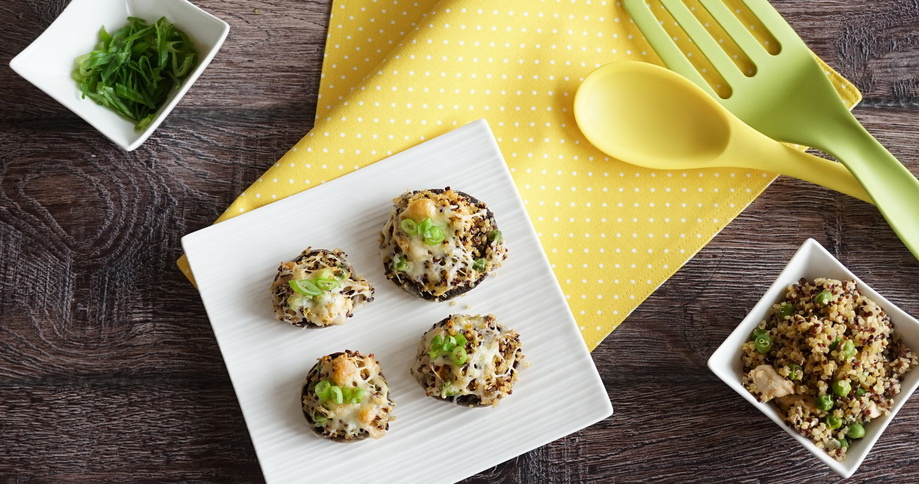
(397, 73)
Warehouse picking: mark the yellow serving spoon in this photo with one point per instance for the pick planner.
(652, 117)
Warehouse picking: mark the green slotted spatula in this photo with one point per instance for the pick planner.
(787, 97)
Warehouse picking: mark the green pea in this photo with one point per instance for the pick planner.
(847, 349)
(795, 372)
(786, 309)
(763, 343)
(824, 402)
(856, 431)
(841, 387)
(833, 422)
(823, 298)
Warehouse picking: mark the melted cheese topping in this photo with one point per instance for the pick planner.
(349, 421)
(438, 268)
(331, 307)
(490, 369)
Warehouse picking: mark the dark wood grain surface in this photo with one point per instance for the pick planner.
(109, 371)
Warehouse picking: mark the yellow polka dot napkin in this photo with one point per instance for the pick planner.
(398, 72)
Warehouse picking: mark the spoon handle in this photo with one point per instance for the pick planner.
(826, 173)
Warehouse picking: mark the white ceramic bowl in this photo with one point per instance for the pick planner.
(810, 262)
(48, 62)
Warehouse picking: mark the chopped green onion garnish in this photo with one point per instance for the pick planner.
(449, 343)
(495, 236)
(305, 287)
(335, 395)
(757, 332)
(460, 339)
(320, 419)
(458, 355)
(409, 226)
(322, 390)
(763, 343)
(479, 264)
(357, 396)
(794, 372)
(437, 340)
(433, 235)
(134, 70)
(425, 225)
(399, 263)
(326, 284)
(786, 309)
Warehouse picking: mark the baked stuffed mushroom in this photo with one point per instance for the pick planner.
(346, 398)
(439, 244)
(319, 288)
(468, 360)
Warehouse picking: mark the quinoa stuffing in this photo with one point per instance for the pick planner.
(828, 357)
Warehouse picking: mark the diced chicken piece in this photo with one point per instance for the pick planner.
(770, 384)
(873, 410)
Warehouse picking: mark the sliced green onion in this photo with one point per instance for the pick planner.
(763, 343)
(449, 343)
(437, 340)
(305, 287)
(326, 284)
(495, 236)
(823, 298)
(322, 390)
(357, 396)
(335, 395)
(434, 235)
(460, 339)
(320, 419)
(786, 309)
(479, 265)
(425, 225)
(437, 346)
(757, 332)
(399, 263)
(458, 355)
(794, 372)
(409, 226)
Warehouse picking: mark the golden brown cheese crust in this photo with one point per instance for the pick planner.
(469, 252)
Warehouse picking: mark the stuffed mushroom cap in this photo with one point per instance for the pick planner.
(438, 244)
(468, 360)
(319, 288)
(346, 398)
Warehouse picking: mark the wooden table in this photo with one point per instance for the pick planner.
(108, 367)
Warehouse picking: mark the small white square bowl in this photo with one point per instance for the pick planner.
(49, 60)
(810, 262)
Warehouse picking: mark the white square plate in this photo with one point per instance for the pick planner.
(431, 441)
(49, 61)
(810, 262)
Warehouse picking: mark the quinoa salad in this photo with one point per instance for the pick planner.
(829, 359)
